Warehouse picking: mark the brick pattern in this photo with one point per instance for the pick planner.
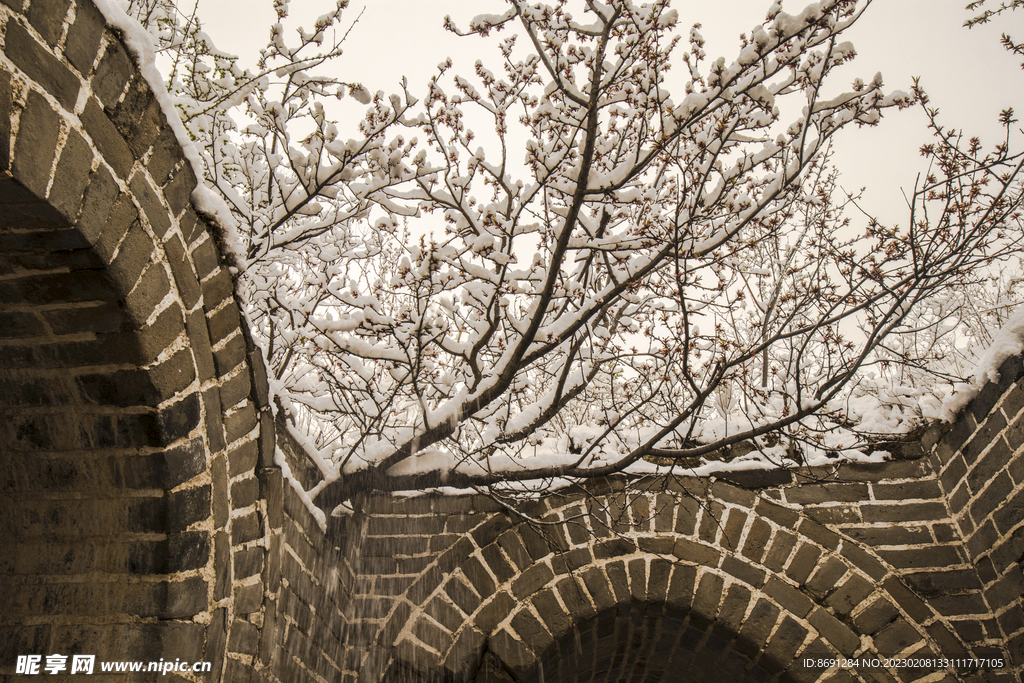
(133, 475)
(980, 461)
(147, 516)
(778, 585)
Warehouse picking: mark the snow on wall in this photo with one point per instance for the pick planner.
(140, 44)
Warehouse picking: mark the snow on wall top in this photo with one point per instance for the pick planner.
(140, 45)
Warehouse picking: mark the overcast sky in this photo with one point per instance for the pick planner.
(967, 74)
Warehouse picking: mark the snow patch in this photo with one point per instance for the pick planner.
(1008, 342)
(140, 44)
(286, 471)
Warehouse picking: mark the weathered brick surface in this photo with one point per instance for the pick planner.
(155, 469)
(124, 429)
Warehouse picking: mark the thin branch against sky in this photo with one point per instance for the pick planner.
(967, 74)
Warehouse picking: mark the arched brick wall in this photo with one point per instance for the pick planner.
(146, 516)
(135, 519)
(980, 462)
(753, 565)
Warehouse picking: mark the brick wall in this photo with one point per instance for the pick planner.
(132, 473)
(147, 517)
(805, 568)
(981, 472)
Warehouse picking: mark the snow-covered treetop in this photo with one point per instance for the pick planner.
(553, 268)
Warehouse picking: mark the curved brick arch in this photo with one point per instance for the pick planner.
(129, 428)
(146, 518)
(774, 579)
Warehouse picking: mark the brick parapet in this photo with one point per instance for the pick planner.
(148, 515)
(981, 471)
(129, 419)
(440, 571)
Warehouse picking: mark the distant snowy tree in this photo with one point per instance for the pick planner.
(553, 269)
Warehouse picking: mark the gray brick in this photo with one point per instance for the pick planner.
(756, 543)
(140, 119)
(707, 598)
(551, 612)
(616, 547)
(782, 516)
(47, 16)
(616, 573)
(497, 563)
(462, 595)
(229, 356)
(734, 607)
(133, 255)
(991, 498)
(785, 642)
(41, 66)
(875, 616)
(834, 631)
(217, 289)
(890, 535)
(166, 156)
(760, 623)
(680, 589)
(184, 277)
(852, 593)
(530, 630)
(6, 110)
(1009, 513)
(780, 550)
(637, 572)
(896, 637)
(107, 139)
(686, 515)
(495, 611)
(912, 558)
(99, 205)
(834, 514)
(83, 39)
(476, 573)
(926, 489)
(826, 493)
(991, 464)
(794, 600)
(712, 516)
(37, 141)
(532, 580)
(432, 635)
(743, 571)
(690, 551)
(893, 469)
(826, 578)
(245, 528)
(178, 190)
(733, 528)
(72, 176)
(816, 532)
(803, 562)
(989, 432)
(731, 494)
(906, 599)
(157, 214)
(574, 597)
(905, 512)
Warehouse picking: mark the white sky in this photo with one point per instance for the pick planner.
(968, 75)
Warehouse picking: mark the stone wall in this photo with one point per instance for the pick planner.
(981, 467)
(133, 480)
(863, 560)
(147, 517)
